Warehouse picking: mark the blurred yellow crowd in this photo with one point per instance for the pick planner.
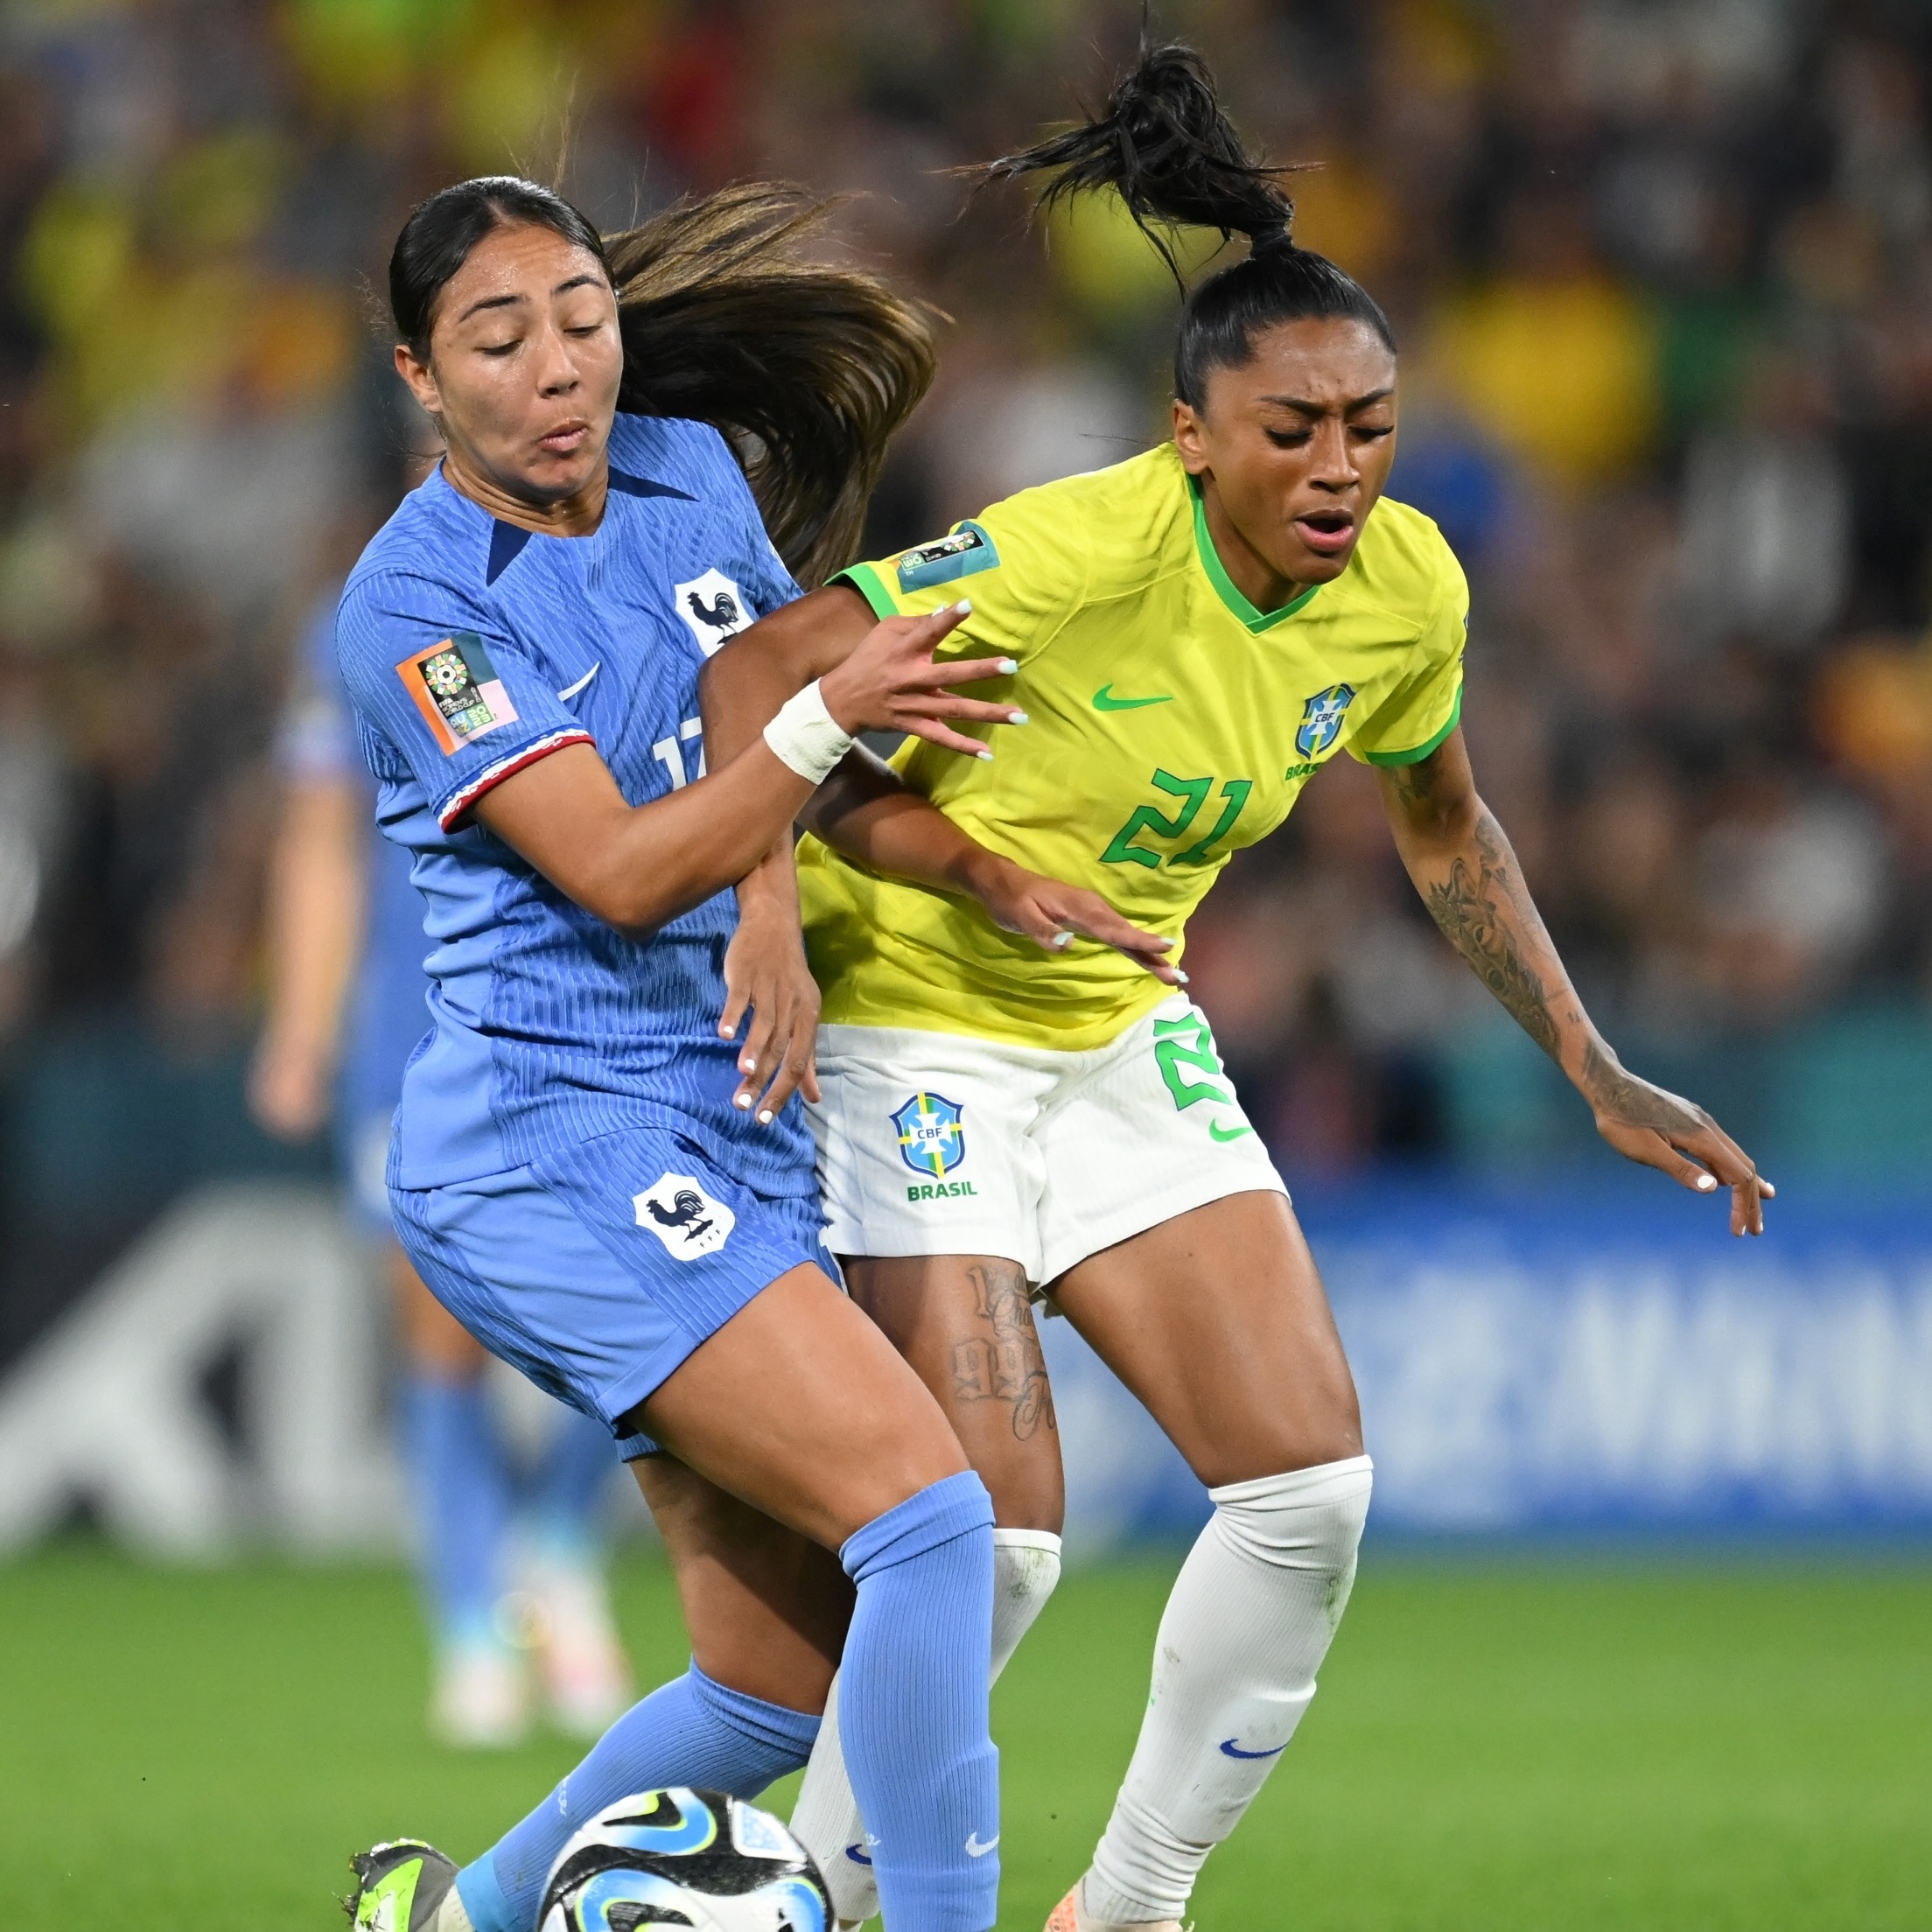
(1662, 277)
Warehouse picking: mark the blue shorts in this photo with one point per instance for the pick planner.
(598, 1270)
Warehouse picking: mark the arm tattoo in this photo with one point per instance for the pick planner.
(1483, 913)
(1614, 1091)
(1003, 1362)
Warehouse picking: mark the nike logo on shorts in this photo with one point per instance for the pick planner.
(1228, 1133)
(1232, 1750)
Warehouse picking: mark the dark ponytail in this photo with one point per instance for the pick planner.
(806, 368)
(1165, 142)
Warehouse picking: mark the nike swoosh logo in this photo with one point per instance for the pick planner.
(1234, 1751)
(571, 691)
(1104, 700)
(976, 1849)
(858, 1857)
(1228, 1133)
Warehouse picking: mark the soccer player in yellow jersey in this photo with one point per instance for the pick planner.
(1196, 632)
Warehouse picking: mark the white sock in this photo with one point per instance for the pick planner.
(826, 1820)
(1249, 1618)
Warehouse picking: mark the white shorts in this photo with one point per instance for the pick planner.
(937, 1144)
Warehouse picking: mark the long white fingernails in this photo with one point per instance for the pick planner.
(765, 1118)
(964, 607)
(984, 755)
(1706, 1182)
(1018, 717)
(741, 1101)
(1008, 665)
(1063, 939)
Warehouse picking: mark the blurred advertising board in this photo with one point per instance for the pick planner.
(1589, 1353)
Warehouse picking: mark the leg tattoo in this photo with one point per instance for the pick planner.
(1004, 1362)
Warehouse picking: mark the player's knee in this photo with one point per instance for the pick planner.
(1308, 1519)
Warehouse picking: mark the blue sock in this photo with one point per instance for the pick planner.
(912, 1707)
(690, 1731)
(568, 1489)
(461, 1482)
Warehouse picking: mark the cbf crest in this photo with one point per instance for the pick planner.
(931, 1139)
(1322, 719)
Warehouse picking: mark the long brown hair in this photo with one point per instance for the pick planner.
(807, 367)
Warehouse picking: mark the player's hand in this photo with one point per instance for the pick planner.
(1660, 1130)
(1050, 913)
(890, 684)
(289, 1086)
(766, 974)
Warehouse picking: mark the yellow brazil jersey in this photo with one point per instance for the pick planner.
(1172, 723)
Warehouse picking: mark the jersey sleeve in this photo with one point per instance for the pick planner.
(1021, 564)
(464, 705)
(1426, 704)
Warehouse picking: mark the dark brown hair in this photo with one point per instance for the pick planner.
(806, 368)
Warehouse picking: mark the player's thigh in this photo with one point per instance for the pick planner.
(966, 1325)
(704, 1327)
(799, 1405)
(766, 1608)
(432, 1338)
(1216, 1320)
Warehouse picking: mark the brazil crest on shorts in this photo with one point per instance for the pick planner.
(931, 1139)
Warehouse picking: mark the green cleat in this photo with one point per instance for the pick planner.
(405, 1886)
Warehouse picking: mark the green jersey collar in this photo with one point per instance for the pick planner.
(1224, 585)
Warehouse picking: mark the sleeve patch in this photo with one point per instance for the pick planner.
(456, 688)
(967, 551)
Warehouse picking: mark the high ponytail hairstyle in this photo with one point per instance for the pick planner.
(805, 368)
(1165, 142)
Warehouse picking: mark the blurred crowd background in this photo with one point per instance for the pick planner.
(1662, 271)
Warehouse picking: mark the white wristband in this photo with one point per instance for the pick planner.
(805, 736)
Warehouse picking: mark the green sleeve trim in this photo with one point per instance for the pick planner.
(867, 582)
(1420, 752)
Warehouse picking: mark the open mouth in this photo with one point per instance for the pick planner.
(1327, 531)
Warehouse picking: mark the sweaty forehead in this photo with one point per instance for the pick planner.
(1328, 360)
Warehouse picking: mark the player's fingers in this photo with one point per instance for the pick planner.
(792, 1070)
(974, 711)
(936, 733)
(957, 670)
(738, 996)
(1648, 1147)
(754, 1061)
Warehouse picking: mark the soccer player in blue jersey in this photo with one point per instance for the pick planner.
(346, 1009)
(603, 1189)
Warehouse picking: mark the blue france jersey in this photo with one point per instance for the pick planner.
(472, 649)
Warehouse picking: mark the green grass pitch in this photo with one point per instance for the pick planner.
(1530, 1743)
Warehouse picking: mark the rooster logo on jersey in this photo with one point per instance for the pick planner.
(713, 609)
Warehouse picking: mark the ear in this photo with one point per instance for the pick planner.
(1190, 438)
(421, 379)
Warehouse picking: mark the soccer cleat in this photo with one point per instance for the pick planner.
(481, 1699)
(585, 1676)
(1069, 1915)
(405, 1886)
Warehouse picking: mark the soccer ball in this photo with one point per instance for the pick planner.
(685, 1857)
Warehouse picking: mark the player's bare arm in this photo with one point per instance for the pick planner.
(866, 811)
(1463, 865)
(637, 866)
